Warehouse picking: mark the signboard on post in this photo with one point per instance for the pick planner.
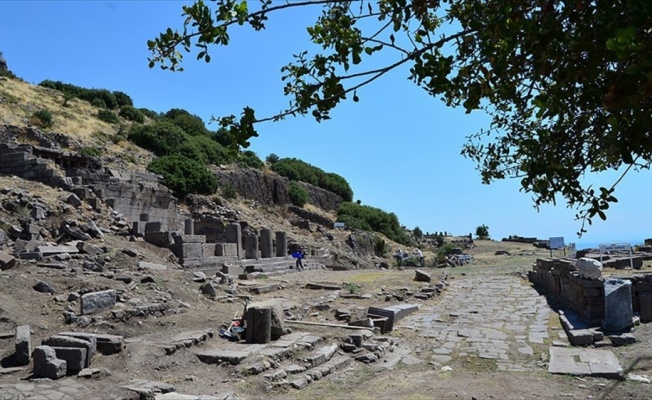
(617, 248)
(339, 225)
(555, 243)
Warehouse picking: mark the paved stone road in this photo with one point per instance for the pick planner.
(64, 389)
(488, 317)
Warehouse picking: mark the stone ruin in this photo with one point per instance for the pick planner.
(608, 303)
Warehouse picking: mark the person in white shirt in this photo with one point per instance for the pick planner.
(419, 254)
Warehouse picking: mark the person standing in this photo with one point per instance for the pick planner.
(300, 255)
(419, 254)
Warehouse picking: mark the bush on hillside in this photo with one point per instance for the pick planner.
(111, 100)
(107, 116)
(99, 103)
(191, 124)
(249, 159)
(151, 114)
(212, 152)
(298, 195)
(184, 176)
(162, 138)
(297, 170)
(272, 159)
(372, 219)
(42, 118)
(130, 113)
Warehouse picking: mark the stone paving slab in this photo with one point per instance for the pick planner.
(495, 318)
(584, 362)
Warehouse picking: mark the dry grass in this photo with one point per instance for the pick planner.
(19, 100)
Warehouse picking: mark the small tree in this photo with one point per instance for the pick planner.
(298, 195)
(482, 232)
(418, 233)
(272, 159)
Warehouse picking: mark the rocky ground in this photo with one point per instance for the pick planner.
(487, 335)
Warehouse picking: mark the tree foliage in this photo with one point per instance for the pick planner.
(372, 219)
(297, 194)
(567, 85)
(102, 98)
(482, 232)
(298, 170)
(184, 175)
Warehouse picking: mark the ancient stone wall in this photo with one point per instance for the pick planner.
(137, 195)
(559, 278)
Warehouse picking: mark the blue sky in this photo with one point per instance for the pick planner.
(398, 148)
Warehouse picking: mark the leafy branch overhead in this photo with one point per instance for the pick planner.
(567, 84)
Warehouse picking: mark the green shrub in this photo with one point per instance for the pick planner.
(191, 124)
(42, 118)
(372, 219)
(91, 151)
(229, 192)
(482, 232)
(183, 175)
(297, 170)
(131, 113)
(272, 159)
(249, 159)
(298, 195)
(149, 113)
(163, 138)
(212, 152)
(418, 233)
(123, 99)
(107, 116)
(380, 246)
(99, 103)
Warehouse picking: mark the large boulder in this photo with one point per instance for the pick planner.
(589, 268)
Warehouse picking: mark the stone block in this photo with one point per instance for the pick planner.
(277, 317)
(69, 341)
(589, 268)
(6, 261)
(23, 345)
(182, 239)
(645, 305)
(75, 357)
(148, 266)
(95, 302)
(89, 337)
(47, 365)
(188, 250)
(49, 250)
(151, 227)
(618, 311)
(160, 239)
(226, 249)
(89, 249)
(580, 337)
(110, 344)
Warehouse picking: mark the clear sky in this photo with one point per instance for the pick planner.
(398, 148)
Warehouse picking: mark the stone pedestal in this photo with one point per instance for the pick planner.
(259, 325)
(617, 305)
(266, 245)
(234, 235)
(281, 244)
(23, 345)
(189, 226)
(251, 248)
